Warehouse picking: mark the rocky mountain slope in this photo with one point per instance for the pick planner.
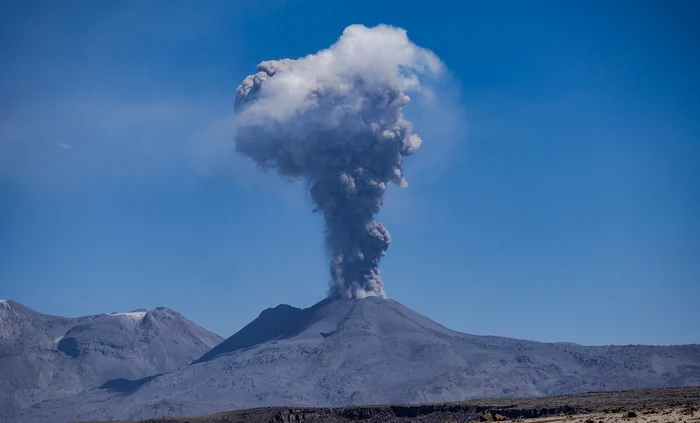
(371, 351)
(46, 357)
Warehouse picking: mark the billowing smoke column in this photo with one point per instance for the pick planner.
(335, 119)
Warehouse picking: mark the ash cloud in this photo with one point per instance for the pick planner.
(335, 119)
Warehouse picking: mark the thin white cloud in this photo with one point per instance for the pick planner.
(130, 142)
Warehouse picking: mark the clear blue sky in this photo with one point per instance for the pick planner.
(564, 207)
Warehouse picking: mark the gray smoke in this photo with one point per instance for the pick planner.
(335, 119)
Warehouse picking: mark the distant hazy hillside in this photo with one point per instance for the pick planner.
(46, 357)
(372, 351)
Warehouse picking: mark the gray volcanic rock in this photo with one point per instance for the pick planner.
(371, 351)
(27, 344)
(46, 357)
(271, 324)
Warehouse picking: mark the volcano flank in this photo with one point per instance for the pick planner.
(373, 351)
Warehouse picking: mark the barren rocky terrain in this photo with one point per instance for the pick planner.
(45, 357)
(368, 352)
(631, 406)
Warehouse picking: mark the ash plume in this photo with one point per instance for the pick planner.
(335, 119)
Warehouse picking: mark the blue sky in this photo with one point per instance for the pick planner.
(559, 202)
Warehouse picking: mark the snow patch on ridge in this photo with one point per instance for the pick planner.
(135, 315)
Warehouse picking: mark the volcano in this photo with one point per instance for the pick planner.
(371, 351)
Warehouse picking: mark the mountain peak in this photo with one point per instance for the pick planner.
(76, 354)
(19, 310)
(279, 307)
(270, 324)
(324, 319)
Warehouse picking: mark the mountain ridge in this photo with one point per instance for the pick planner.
(47, 357)
(368, 351)
(371, 351)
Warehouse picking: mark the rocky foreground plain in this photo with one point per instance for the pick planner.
(680, 405)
